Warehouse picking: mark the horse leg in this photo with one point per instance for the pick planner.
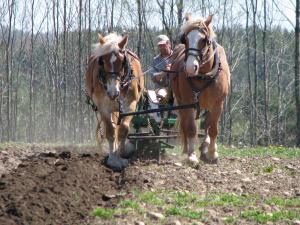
(114, 161)
(209, 152)
(206, 141)
(99, 131)
(125, 149)
(188, 131)
(123, 131)
(110, 135)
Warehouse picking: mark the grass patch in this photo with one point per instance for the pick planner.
(275, 151)
(290, 202)
(183, 198)
(225, 200)
(130, 204)
(230, 219)
(13, 145)
(151, 198)
(4, 145)
(195, 207)
(268, 169)
(175, 211)
(103, 213)
(263, 217)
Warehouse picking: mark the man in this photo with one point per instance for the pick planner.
(161, 62)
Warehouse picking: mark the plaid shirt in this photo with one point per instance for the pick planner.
(159, 63)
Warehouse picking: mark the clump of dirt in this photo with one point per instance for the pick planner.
(62, 185)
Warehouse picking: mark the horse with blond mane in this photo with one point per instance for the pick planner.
(203, 78)
(114, 82)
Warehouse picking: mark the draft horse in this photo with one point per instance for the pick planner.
(203, 78)
(114, 82)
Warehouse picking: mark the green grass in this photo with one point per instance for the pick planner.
(151, 198)
(130, 204)
(226, 199)
(191, 206)
(175, 211)
(263, 217)
(290, 202)
(103, 213)
(194, 207)
(230, 219)
(275, 151)
(268, 169)
(183, 198)
(4, 145)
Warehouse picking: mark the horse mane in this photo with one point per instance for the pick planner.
(110, 44)
(194, 23)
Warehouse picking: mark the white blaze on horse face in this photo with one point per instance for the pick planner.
(113, 86)
(112, 59)
(192, 64)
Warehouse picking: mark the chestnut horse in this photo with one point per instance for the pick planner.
(203, 77)
(114, 81)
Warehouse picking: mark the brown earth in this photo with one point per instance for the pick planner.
(62, 185)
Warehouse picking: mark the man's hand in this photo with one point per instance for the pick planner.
(159, 76)
(168, 66)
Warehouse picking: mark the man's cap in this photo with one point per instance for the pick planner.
(162, 39)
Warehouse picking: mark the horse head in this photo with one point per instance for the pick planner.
(197, 36)
(112, 62)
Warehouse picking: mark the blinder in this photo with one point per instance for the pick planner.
(182, 38)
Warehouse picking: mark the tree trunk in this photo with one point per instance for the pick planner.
(30, 124)
(254, 10)
(80, 128)
(140, 27)
(55, 64)
(266, 80)
(180, 7)
(278, 110)
(8, 55)
(250, 105)
(64, 70)
(297, 71)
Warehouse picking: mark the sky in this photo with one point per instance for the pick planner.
(282, 12)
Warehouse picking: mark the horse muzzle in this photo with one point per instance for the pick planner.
(113, 95)
(192, 69)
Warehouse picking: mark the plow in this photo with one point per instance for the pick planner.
(154, 125)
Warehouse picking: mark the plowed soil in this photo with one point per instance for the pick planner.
(62, 185)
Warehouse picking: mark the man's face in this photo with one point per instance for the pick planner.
(165, 49)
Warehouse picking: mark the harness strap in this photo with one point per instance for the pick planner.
(209, 79)
(216, 65)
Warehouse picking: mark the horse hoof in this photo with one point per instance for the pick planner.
(204, 158)
(116, 163)
(128, 151)
(203, 149)
(192, 160)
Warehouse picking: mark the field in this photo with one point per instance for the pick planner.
(46, 184)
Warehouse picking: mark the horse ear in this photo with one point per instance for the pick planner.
(101, 39)
(208, 20)
(187, 17)
(123, 42)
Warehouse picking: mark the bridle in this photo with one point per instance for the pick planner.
(124, 75)
(199, 54)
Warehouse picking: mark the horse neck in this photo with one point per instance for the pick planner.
(208, 64)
